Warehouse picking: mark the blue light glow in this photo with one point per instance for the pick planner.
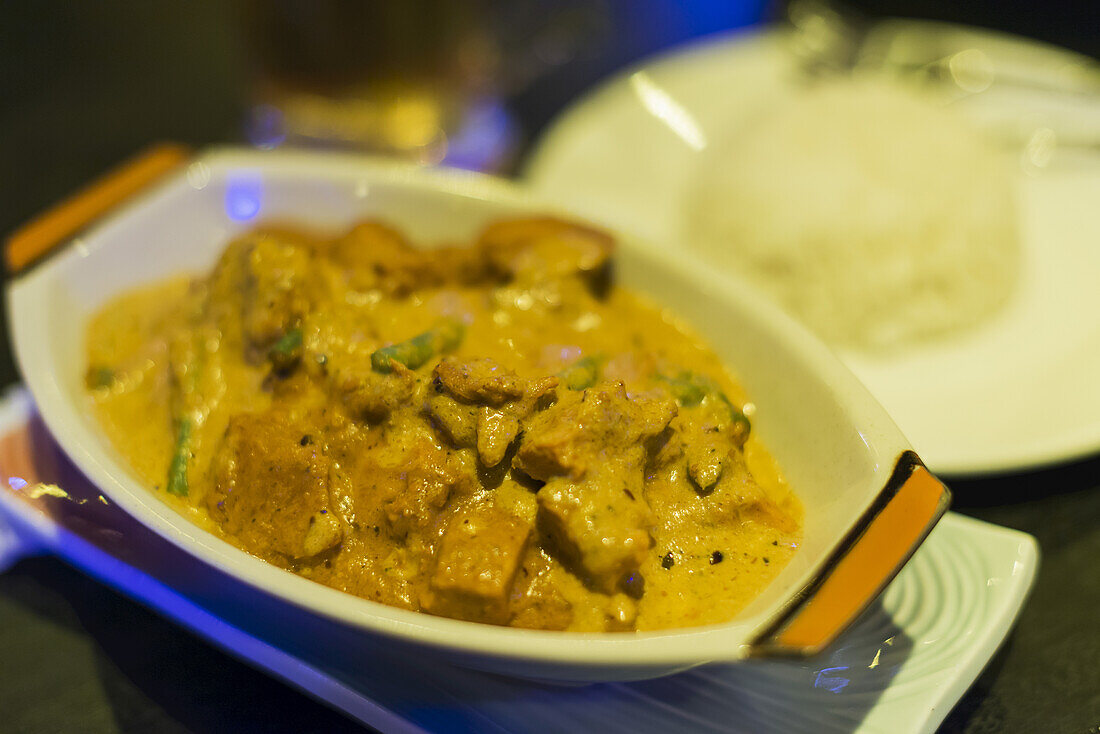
(831, 683)
(17, 482)
(244, 195)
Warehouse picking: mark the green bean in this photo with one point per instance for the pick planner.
(288, 342)
(177, 470)
(418, 350)
(100, 376)
(739, 422)
(287, 350)
(581, 374)
(690, 388)
(188, 414)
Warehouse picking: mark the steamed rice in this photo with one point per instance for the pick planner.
(875, 217)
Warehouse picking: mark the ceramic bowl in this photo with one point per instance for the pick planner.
(868, 500)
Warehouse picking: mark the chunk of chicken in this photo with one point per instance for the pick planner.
(707, 451)
(368, 394)
(735, 498)
(410, 486)
(589, 428)
(480, 403)
(537, 602)
(591, 450)
(543, 247)
(271, 488)
(458, 421)
(275, 300)
(476, 564)
(376, 256)
(478, 381)
(600, 523)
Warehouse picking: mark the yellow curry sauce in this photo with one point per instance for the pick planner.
(492, 432)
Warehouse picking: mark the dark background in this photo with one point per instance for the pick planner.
(84, 85)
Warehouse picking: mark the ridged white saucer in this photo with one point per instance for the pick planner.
(901, 668)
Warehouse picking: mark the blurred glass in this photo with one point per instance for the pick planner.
(418, 79)
(465, 82)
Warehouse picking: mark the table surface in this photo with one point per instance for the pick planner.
(89, 88)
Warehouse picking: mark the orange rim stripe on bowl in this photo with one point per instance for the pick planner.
(43, 233)
(886, 536)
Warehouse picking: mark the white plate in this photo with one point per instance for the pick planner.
(901, 669)
(1020, 392)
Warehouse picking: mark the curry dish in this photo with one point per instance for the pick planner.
(492, 432)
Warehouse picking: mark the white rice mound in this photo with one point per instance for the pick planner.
(877, 218)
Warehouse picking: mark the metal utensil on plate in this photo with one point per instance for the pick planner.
(1025, 94)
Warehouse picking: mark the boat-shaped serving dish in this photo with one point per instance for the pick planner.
(868, 500)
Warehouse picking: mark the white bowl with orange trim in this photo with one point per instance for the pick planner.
(868, 500)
